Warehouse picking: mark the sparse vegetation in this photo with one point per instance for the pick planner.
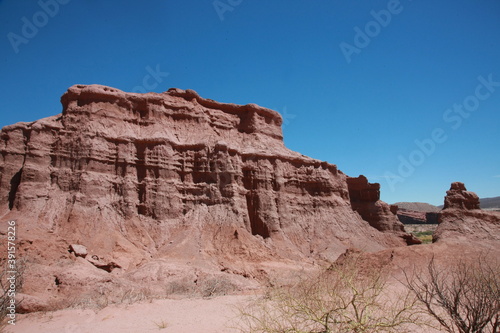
(180, 287)
(341, 299)
(423, 232)
(424, 236)
(216, 286)
(460, 297)
(463, 297)
(103, 297)
(207, 287)
(161, 325)
(106, 295)
(5, 298)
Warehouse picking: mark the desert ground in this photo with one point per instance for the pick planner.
(210, 315)
(188, 315)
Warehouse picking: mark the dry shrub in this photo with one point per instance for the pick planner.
(205, 287)
(180, 287)
(104, 296)
(216, 286)
(340, 299)
(462, 296)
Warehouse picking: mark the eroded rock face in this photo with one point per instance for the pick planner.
(137, 177)
(365, 199)
(415, 217)
(461, 219)
(458, 197)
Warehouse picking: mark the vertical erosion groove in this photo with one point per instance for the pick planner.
(257, 225)
(14, 186)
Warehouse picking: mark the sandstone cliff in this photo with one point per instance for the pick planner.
(365, 199)
(141, 177)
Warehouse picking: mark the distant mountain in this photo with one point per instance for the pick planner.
(417, 206)
(485, 203)
(490, 203)
(424, 213)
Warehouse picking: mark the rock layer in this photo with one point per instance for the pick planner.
(365, 200)
(139, 177)
(415, 217)
(462, 220)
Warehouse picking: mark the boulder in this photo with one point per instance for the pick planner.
(78, 250)
(28, 303)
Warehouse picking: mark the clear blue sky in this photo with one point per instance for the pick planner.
(358, 82)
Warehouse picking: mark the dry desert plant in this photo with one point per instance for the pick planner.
(216, 286)
(9, 275)
(102, 297)
(206, 287)
(341, 299)
(161, 324)
(180, 287)
(463, 296)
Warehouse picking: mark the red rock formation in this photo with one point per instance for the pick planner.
(462, 220)
(139, 177)
(416, 217)
(458, 197)
(365, 200)
(411, 217)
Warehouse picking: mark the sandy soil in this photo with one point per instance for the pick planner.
(190, 315)
(214, 315)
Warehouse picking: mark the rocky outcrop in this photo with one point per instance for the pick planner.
(459, 198)
(365, 200)
(415, 217)
(411, 217)
(417, 213)
(463, 220)
(417, 207)
(140, 177)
